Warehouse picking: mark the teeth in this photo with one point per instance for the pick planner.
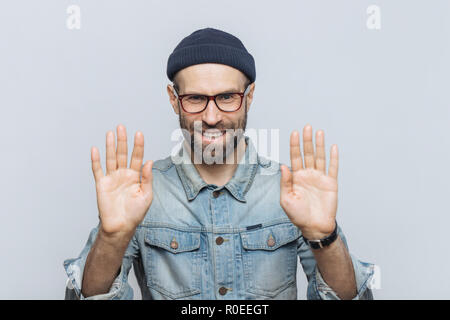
(214, 134)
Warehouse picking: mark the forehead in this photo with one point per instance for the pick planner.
(209, 78)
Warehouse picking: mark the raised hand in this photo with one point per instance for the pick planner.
(308, 195)
(123, 198)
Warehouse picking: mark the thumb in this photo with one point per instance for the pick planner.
(147, 177)
(286, 180)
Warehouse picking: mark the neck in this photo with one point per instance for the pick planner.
(220, 173)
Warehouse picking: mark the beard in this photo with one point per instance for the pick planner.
(214, 152)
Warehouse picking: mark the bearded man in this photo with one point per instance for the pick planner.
(217, 220)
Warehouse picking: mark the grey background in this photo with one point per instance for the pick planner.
(381, 95)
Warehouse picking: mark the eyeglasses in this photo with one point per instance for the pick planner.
(226, 102)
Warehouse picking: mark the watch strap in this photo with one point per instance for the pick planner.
(318, 244)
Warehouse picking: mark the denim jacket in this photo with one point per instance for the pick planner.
(202, 241)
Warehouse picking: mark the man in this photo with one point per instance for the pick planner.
(216, 221)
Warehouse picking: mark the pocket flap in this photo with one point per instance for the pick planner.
(270, 238)
(173, 240)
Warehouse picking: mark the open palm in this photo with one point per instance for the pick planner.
(308, 195)
(123, 198)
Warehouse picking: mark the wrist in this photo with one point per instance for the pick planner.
(116, 239)
(318, 240)
(316, 234)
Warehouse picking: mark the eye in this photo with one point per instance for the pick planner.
(195, 98)
(225, 96)
(228, 98)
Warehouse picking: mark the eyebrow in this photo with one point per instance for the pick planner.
(231, 90)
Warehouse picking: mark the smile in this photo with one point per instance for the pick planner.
(212, 135)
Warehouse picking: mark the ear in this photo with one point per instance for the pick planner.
(173, 99)
(249, 95)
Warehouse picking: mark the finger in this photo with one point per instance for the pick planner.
(286, 180)
(296, 155)
(111, 163)
(122, 148)
(334, 162)
(147, 177)
(96, 166)
(308, 148)
(138, 152)
(320, 152)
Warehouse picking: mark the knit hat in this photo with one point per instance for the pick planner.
(210, 45)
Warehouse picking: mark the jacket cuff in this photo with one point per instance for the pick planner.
(74, 270)
(363, 274)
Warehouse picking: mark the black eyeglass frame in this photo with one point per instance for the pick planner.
(209, 98)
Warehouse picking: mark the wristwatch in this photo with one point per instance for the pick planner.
(318, 244)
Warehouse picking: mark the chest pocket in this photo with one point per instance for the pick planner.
(269, 258)
(173, 262)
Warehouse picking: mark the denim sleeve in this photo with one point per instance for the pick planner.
(120, 289)
(318, 289)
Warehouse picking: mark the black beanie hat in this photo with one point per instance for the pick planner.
(210, 45)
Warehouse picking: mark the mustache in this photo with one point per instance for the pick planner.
(205, 127)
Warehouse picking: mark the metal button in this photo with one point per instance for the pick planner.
(271, 241)
(174, 244)
(216, 194)
(219, 240)
(223, 291)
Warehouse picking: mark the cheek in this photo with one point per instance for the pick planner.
(188, 121)
(235, 121)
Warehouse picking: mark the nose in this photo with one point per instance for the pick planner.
(211, 115)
